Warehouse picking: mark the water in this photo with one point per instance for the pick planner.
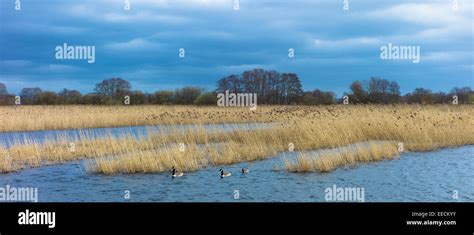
(7, 139)
(428, 177)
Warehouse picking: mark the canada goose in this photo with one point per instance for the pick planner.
(245, 170)
(175, 173)
(224, 174)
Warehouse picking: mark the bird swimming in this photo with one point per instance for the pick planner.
(175, 173)
(245, 170)
(224, 174)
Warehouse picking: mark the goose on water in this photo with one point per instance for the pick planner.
(175, 173)
(224, 174)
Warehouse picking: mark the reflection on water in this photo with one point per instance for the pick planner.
(428, 176)
(9, 138)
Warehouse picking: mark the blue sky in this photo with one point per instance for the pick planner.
(332, 47)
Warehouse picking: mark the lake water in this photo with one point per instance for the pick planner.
(428, 176)
(9, 138)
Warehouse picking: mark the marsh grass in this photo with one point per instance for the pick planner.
(419, 128)
(349, 156)
(61, 117)
(6, 163)
(195, 157)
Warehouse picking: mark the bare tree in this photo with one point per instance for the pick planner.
(114, 88)
(394, 92)
(28, 95)
(271, 87)
(273, 82)
(378, 90)
(231, 83)
(359, 94)
(293, 91)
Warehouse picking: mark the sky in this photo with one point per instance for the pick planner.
(333, 45)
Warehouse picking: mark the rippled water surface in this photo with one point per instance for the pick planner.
(428, 176)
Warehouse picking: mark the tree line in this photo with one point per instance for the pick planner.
(381, 91)
(271, 87)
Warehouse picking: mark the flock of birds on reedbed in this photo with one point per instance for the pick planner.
(175, 173)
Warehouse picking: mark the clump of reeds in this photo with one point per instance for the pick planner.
(6, 163)
(150, 161)
(330, 160)
(193, 157)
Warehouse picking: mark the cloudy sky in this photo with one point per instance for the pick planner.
(332, 47)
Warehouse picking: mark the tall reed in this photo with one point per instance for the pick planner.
(331, 160)
(417, 128)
